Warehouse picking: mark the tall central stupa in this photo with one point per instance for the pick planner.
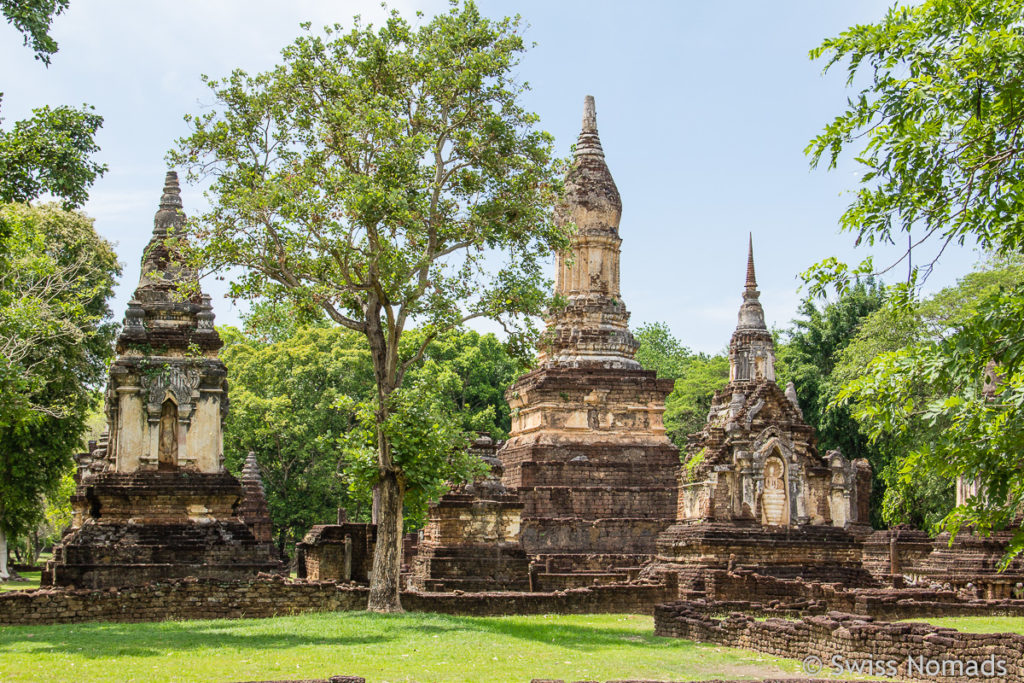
(588, 451)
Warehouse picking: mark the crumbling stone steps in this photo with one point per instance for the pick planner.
(604, 562)
(564, 581)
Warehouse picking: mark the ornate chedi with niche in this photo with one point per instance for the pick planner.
(753, 490)
(588, 452)
(153, 499)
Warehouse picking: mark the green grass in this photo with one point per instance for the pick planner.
(31, 584)
(978, 624)
(409, 647)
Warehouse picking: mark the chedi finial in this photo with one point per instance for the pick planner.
(171, 198)
(751, 282)
(589, 142)
(589, 115)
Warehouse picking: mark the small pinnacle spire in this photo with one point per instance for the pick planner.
(171, 198)
(251, 470)
(589, 142)
(589, 115)
(751, 282)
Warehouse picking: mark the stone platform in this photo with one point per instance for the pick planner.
(146, 526)
(813, 553)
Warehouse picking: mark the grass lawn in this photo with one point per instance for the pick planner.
(409, 647)
(978, 624)
(31, 584)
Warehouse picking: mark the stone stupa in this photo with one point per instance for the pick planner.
(587, 452)
(153, 499)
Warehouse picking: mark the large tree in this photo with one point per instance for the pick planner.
(388, 175)
(56, 335)
(49, 153)
(937, 126)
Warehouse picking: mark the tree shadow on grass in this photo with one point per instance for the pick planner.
(107, 640)
(101, 641)
(572, 636)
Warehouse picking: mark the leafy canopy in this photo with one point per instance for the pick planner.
(941, 122)
(697, 378)
(56, 336)
(32, 18)
(937, 129)
(50, 153)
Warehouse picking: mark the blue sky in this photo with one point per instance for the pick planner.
(704, 110)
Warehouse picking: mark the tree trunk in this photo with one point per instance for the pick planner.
(4, 575)
(387, 557)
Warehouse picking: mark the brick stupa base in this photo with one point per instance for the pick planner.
(813, 553)
(971, 564)
(471, 540)
(150, 526)
(597, 484)
(470, 544)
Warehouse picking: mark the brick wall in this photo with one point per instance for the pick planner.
(797, 596)
(208, 599)
(856, 639)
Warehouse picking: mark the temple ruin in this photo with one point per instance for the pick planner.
(753, 491)
(154, 500)
(587, 491)
(588, 454)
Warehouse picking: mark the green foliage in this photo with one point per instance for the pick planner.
(687, 407)
(939, 120)
(295, 402)
(931, 395)
(808, 357)
(697, 378)
(272, 321)
(913, 495)
(32, 18)
(286, 402)
(50, 154)
(660, 351)
(56, 337)
(484, 367)
(427, 441)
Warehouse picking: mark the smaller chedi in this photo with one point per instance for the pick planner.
(753, 490)
(153, 499)
(472, 541)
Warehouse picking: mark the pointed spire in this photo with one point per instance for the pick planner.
(171, 198)
(588, 142)
(169, 215)
(751, 313)
(251, 470)
(751, 278)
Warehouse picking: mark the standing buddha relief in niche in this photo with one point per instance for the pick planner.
(774, 500)
(168, 454)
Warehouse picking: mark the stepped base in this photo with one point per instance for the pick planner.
(151, 526)
(813, 553)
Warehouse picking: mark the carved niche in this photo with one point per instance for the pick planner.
(775, 496)
(176, 383)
